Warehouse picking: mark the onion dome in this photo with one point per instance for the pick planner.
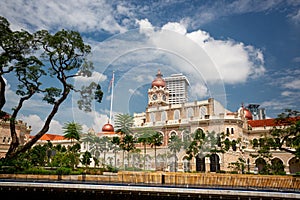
(247, 114)
(159, 81)
(108, 128)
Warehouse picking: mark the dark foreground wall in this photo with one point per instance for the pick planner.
(64, 191)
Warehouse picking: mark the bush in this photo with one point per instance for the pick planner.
(63, 171)
(112, 169)
(35, 170)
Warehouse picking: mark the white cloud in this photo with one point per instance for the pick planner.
(96, 77)
(235, 62)
(135, 92)
(79, 15)
(176, 27)
(36, 124)
(295, 17)
(198, 91)
(294, 84)
(287, 93)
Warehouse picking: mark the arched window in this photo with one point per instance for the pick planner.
(214, 163)
(190, 113)
(186, 164)
(176, 114)
(294, 165)
(255, 142)
(277, 166)
(173, 133)
(152, 117)
(203, 111)
(233, 145)
(164, 116)
(260, 164)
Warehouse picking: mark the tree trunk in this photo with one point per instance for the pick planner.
(155, 157)
(144, 156)
(123, 159)
(15, 140)
(175, 157)
(2, 92)
(44, 129)
(115, 159)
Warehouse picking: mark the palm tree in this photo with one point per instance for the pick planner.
(123, 123)
(72, 130)
(175, 145)
(127, 144)
(144, 137)
(104, 147)
(155, 141)
(115, 147)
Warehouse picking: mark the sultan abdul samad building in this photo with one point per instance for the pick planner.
(169, 113)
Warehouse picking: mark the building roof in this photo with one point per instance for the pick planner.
(272, 122)
(51, 137)
(261, 122)
(159, 81)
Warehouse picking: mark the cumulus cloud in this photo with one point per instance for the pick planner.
(96, 77)
(36, 124)
(234, 61)
(53, 15)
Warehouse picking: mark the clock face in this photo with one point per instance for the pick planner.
(164, 97)
(154, 97)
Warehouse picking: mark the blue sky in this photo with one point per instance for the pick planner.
(235, 51)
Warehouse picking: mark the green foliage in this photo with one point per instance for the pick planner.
(72, 130)
(238, 166)
(286, 134)
(64, 171)
(30, 57)
(88, 94)
(123, 123)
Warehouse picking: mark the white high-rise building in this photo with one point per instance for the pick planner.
(177, 85)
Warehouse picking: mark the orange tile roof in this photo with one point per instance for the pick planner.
(51, 137)
(261, 122)
(271, 122)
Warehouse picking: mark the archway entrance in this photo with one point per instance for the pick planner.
(294, 165)
(214, 163)
(277, 166)
(200, 164)
(260, 164)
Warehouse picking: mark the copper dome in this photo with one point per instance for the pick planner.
(159, 81)
(108, 128)
(248, 114)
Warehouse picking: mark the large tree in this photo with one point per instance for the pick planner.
(61, 57)
(285, 135)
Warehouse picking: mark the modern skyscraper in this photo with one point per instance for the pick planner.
(177, 85)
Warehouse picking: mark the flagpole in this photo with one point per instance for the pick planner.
(112, 96)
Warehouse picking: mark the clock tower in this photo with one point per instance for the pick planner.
(158, 94)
